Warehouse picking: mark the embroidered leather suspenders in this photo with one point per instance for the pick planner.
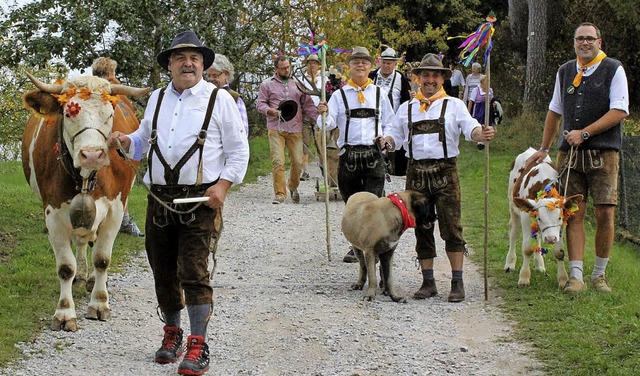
(428, 126)
(172, 175)
(360, 113)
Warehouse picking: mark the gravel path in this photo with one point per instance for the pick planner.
(281, 308)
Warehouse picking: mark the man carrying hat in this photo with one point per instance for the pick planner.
(363, 114)
(280, 100)
(398, 89)
(197, 148)
(429, 127)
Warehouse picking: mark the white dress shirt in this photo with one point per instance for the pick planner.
(362, 131)
(428, 146)
(226, 149)
(385, 83)
(457, 79)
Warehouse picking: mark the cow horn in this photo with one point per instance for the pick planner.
(47, 88)
(129, 90)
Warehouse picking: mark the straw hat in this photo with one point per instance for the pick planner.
(312, 57)
(389, 54)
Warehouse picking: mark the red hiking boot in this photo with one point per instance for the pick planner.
(171, 348)
(196, 360)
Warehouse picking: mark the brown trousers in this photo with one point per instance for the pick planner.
(178, 248)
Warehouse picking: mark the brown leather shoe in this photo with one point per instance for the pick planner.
(456, 294)
(600, 284)
(574, 285)
(427, 290)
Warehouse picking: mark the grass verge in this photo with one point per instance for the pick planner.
(585, 334)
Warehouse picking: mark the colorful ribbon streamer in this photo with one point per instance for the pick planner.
(481, 37)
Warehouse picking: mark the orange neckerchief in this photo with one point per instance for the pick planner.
(426, 102)
(577, 80)
(360, 89)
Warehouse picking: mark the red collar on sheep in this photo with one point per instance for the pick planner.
(407, 220)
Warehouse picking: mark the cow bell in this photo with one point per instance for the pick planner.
(82, 211)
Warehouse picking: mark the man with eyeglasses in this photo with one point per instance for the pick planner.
(363, 113)
(591, 96)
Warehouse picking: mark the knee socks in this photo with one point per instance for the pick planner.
(199, 319)
(171, 318)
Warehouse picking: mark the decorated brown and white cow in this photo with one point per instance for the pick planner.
(82, 184)
(539, 212)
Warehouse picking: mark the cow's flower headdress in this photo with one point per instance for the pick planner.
(83, 93)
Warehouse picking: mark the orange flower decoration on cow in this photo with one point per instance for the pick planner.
(110, 98)
(66, 96)
(73, 109)
(84, 93)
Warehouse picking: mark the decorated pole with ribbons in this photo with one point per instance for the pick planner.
(470, 48)
(320, 49)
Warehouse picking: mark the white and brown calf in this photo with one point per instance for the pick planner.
(83, 185)
(533, 198)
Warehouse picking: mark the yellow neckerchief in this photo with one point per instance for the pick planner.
(578, 78)
(426, 102)
(360, 89)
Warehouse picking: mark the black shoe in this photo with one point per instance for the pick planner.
(171, 348)
(196, 360)
(427, 290)
(457, 292)
(350, 257)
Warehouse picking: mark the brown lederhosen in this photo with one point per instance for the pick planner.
(438, 180)
(178, 244)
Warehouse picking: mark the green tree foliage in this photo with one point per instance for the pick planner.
(14, 115)
(420, 26)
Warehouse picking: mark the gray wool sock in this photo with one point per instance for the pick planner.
(456, 275)
(427, 274)
(171, 318)
(199, 319)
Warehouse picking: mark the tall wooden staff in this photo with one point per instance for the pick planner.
(482, 37)
(321, 50)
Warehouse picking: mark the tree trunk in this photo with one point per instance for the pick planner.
(518, 25)
(536, 47)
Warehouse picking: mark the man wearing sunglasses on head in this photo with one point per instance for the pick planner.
(591, 98)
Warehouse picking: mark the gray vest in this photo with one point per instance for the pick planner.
(588, 103)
